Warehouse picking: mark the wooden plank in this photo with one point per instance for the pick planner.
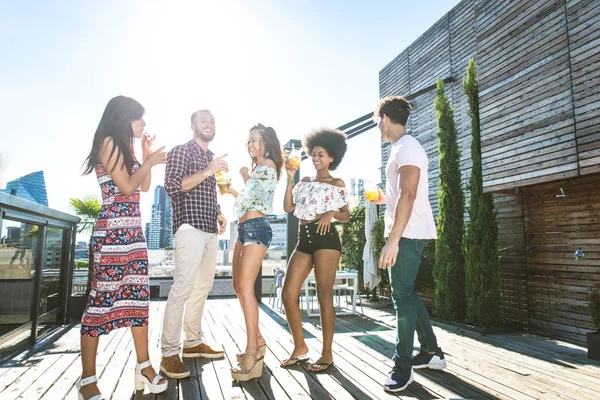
(514, 365)
(334, 387)
(230, 388)
(36, 382)
(125, 382)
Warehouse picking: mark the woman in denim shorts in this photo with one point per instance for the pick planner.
(315, 201)
(252, 204)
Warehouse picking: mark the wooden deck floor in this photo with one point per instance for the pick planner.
(508, 366)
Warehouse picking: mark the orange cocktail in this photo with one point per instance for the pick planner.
(223, 181)
(371, 194)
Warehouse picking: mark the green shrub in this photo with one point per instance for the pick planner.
(449, 270)
(482, 257)
(353, 242)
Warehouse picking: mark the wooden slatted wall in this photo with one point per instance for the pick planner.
(462, 49)
(539, 72)
(443, 51)
(558, 284)
(527, 124)
(584, 43)
(513, 264)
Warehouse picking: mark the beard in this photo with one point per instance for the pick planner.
(203, 136)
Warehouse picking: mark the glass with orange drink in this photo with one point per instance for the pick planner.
(223, 181)
(292, 159)
(371, 191)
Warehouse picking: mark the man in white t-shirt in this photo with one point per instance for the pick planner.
(409, 225)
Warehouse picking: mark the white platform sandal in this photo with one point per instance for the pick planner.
(141, 380)
(85, 382)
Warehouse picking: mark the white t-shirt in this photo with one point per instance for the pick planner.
(408, 151)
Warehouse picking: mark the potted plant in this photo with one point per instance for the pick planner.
(87, 209)
(593, 338)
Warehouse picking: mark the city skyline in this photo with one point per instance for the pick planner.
(262, 53)
(159, 234)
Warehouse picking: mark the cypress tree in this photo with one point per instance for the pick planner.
(482, 259)
(449, 268)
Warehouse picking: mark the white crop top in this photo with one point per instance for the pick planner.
(312, 198)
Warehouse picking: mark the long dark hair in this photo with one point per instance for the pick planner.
(116, 124)
(272, 147)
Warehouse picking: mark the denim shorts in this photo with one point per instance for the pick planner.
(255, 230)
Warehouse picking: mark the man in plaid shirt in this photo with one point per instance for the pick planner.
(197, 221)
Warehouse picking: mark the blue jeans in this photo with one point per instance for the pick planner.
(411, 313)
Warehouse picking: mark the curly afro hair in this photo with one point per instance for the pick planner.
(332, 140)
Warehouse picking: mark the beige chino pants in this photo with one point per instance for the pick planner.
(195, 265)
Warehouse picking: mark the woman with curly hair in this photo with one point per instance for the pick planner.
(252, 204)
(315, 201)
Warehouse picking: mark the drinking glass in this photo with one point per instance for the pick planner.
(371, 191)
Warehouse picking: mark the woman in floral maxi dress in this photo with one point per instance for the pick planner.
(119, 295)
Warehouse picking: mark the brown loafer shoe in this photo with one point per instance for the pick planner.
(173, 367)
(203, 350)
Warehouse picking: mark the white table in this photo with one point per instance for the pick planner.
(339, 275)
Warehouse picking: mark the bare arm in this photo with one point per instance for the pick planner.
(115, 166)
(147, 181)
(343, 215)
(146, 152)
(409, 181)
(245, 174)
(288, 200)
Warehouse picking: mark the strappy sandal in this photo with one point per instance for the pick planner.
(261, 349)
(294, 360)
(84, 382)
(319, 367)
(242, 375)
(141, 380)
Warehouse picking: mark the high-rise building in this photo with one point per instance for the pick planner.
(158, 230)
(278, 226)
(357, 190)
(30, 187)
(82, 251)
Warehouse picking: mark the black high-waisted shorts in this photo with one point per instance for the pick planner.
(310, 241)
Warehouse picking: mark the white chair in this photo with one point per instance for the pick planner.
(339, 286)
(272, 288)
(278, 286)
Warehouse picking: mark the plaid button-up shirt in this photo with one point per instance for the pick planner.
(198, 206)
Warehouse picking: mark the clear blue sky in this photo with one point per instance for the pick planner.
(295, 65)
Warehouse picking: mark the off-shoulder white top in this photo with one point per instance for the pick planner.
(312, 198)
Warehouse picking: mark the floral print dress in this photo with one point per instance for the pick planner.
(120, 294)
